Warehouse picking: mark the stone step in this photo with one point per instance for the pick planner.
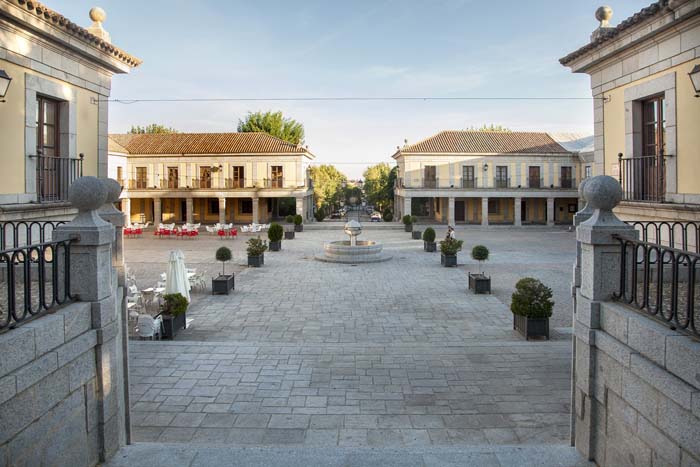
(190, 455)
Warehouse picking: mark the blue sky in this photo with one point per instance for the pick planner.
(315, 48)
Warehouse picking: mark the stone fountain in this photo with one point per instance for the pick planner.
(353, 251)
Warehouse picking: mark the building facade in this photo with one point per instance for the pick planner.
(488, 177)
(646, 114)
(53, 121)
(211, 177)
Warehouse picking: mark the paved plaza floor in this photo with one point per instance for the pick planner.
(388, 354)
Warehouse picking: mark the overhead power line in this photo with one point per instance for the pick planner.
(354, 99)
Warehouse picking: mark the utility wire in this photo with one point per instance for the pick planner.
(353, 99)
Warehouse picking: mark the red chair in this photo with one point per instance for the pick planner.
(192, 233)
(221, 233)
(128, 231)
(137, 232)
(233, 233)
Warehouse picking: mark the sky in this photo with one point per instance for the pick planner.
(356, 48)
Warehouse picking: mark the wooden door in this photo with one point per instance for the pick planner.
(459, 211)
(534, 177)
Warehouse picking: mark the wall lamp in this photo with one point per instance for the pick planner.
(694, 78)
(4, 84)
(486, 167)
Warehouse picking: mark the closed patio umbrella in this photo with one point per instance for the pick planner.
(176, 276)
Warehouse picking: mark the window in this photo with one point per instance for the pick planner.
(588, 171)
(48, 134)
(468, 180)
(494, 206)
(501, 176)
(238, 176)
(534, 177)
(653, 126)
(120, 175)
(429, 176)
(246, 206)
(173, 177)
(205, 177)
(566, 177)
(141, 177)
(277, 176)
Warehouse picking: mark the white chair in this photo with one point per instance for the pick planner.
(145, 226)
(245, 229)
(149, 327)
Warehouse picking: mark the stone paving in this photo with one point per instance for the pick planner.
(387, 354)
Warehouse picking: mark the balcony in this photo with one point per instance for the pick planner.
(235, 183)
(469, 183)
(643, 178)
(534, 182)
(500, 182)
(54, 175)
(567, 183)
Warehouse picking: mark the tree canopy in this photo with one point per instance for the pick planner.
(379, 185)
(153, 128)
(328, 185)
(491, 127)
(275, 124)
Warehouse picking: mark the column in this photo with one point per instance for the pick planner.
(157, 215)
(600, 277)
(517, 211)
(484, 211)
(451, 211)
(407, 205)
(256, 210)
(300, 205)
(222, 210)
(126, 209)
(550, 211)
(189, 211)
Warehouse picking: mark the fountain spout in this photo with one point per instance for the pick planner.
(353, 229)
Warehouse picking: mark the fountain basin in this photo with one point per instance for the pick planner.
(345, 252)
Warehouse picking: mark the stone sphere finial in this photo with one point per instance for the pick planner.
(97, 14)
(602, 192)
(604, 14)
(581, 187)
(87, 193)
(114, 190)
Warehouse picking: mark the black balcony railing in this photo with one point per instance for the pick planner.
(500, 182)
(469, 183)
(534, 182)
(680, 235)
(567, 183)
(643, 178)
(661, 282)
(18, 234)
(54, 175)
(33, 279)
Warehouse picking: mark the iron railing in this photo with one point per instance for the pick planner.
(235, 183)
(500, 182)
(661, 282)
(18, 234)
(533, 182)
(33, 280)
(681, 235)
(54, 175)
(567, 183)
(643, 178)
(469, 183)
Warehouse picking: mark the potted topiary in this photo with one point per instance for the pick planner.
(417, 235)
(224, 282)
(275, 234)
(174, 310)
(298, 223)
(480, 282)
(387, 215)
(449, 249)
(256, 252)
(408, 222)
(429, 240)
(531, 305)
(289, 229)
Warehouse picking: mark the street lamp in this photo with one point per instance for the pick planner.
(695, 79)
(4, 84)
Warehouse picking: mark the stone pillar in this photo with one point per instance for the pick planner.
(157, 214)
(451, 210)
(550, 211)
(407, 205)
(484, 211)
(222, 210)
(300, 205)
(256, 210)
(518, 211)
(600, 277)
(189, 211)
(126, 209)
(93, 280)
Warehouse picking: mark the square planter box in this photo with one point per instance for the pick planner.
(479, 283)
(408, 228)
(417, 235)
(531, 327)
(256, 261)
(173, 324)
(289, 235)
(430, 247)
(299, 228)
(222, 285)
(275, 246)
(448, 260)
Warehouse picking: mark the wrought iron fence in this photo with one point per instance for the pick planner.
(54, 175)
(642, 178)
(33, 280)
(681, 235)
(17, 234)
(662, 282)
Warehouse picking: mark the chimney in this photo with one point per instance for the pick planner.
(602, 14)
(98, 15)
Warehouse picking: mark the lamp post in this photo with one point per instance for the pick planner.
(5, 81)
(694, 76)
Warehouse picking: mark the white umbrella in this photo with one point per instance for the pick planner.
(176, 276)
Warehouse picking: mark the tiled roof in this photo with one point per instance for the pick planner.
(66, 25)
(207, 143)
(114, 146)
(611, 33)
(486, 142)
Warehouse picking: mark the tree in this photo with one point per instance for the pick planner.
(492, 127)
(152, 129)
(275, 124)
(379, 185)
(328, 186)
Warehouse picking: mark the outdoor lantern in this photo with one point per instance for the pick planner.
(486, 167)
(694, 78)
(4, 84)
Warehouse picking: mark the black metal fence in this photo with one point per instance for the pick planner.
(681, 235)
(17, 234)
(642, 178)
(33, 279)
(662, 282)
(54, 175)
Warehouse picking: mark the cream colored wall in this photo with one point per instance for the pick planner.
(12, 128)
(687, 121)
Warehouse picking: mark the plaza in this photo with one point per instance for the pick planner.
(389, 354)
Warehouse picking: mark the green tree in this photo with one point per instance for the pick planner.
(379, 185)
(275, 124)
(328, 186)
(491, 127)
(152, 129)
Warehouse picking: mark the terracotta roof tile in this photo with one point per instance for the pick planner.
(207, 143)
(486, 142)
(114, 146)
